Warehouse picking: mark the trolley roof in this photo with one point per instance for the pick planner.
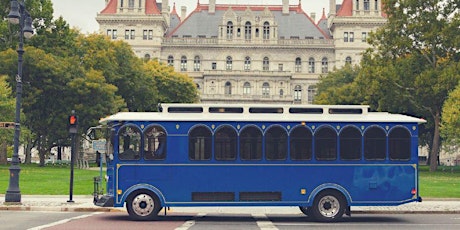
(261, 113)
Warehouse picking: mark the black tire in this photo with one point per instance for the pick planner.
(305, 210)
(143, 205)
(328, 206)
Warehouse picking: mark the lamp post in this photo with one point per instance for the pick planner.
(18, 15)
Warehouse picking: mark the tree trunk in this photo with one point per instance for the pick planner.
(3, 153)
(436, 143)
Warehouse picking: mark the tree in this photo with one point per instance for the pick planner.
(7, 109)
(450, 128)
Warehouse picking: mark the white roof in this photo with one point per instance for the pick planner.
(263, 113)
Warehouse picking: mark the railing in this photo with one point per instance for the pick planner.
(216, 41)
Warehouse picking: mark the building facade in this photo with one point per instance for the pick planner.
(239, 53)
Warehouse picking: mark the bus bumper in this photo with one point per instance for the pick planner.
(103, 201)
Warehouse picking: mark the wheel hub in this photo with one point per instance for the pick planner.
(143, 205)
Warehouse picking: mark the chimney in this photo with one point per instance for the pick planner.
(165, 6)
(285, 7)
(212, 6)
(332, 7)
(183, 12)
(313, 16)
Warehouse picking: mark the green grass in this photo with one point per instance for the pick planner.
(49, 180)
(55, 180)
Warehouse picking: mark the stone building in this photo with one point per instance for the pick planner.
(239, 53)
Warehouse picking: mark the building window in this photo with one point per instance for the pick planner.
(298, 65)
(133, 34)
(311, 93)
(345, 36)
(247, 88)
(129, 143)
(281, 92)
(247, 64)
(150, 34)
(170, 60)
(225, 144)
(196, 64)
(326, 144)
(114, 34)
(276, 147)
(121, 3)
(311, 65)
(126, 34)
(213, 66)
(348, 60)
(200, 143)
(350, 144)
(144, 34)
(297, 93)
(357, 4)
(366, 5)
(352, 36)
(266, 64)
(248, 31)
(229, 30)
(280, 67)
(229, 63)
(183, 63)
(155, 143)
(265, 89)
(364, 37)
(376, 5)
(251, 143)
(324, 65)
(266, 35)
(147, 57)
(228, 88)
(109, 33)
(301, 143)
(130, 4)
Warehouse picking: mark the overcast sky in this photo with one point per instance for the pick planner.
(82, 13)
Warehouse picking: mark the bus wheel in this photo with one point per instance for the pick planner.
(305, 210)
(328, 206)
(143, 205)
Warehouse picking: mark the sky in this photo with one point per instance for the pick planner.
(82, 14)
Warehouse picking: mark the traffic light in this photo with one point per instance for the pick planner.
(73, 123)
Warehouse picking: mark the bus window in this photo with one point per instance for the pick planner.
(225, 144)
(154, 143)
(399, 144)
(350, 144)
(200, 146)
(251, 144)
(129, 142)
(326, 144)
(375, 144)
(301, 143)
(276, 144)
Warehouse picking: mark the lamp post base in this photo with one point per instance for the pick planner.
(13, 194)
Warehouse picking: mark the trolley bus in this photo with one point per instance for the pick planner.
(320, 158)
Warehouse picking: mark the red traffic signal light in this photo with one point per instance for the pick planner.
(73, 120)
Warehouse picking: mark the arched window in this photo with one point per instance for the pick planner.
(170, 60)
(311, 93)
(324, 66)
(297, 93)
(265, 89)
(130, 4)
(399, 144)
(266, 35)
(183, 63)
(200, 143)
(281, 92)
(229, 30)
(266, 64)
(251, 143)
(350, 144)
(228, 88)
(247, 88)
(225, 144)
(129, 143)
(366, 5)
(229, 64)
(247, 31)
(375, 144)
(311, 65)
(154, 143)
(301, 143)
(247, 64)
(197, 63)
(357, 4)
(276, 143)
(326, 144)
(298, 65)
(348, 60)
(146, 57)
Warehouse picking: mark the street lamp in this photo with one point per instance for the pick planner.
(18, 15)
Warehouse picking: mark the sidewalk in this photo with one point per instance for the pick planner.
(85, 204)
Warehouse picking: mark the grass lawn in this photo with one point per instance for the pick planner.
(55, 180)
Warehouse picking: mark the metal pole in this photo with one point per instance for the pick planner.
(13, 194)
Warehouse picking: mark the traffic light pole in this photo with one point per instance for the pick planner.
(73, 129)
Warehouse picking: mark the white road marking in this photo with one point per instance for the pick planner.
(190, 223)
(263, 222)
(64, 221)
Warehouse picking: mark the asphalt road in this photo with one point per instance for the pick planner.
(211, 221)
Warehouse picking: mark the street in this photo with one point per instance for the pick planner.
(209, 221)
